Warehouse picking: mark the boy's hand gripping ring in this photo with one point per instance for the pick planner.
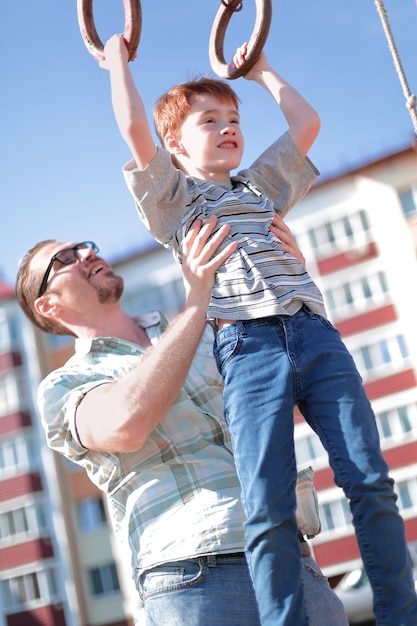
(132, 31)
(256, 42)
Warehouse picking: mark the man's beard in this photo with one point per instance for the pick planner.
(111, 290)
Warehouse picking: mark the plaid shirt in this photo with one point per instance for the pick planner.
(178, 496)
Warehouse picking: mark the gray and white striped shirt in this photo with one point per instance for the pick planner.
(259, 279)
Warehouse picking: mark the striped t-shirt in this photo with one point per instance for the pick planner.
(259, 279)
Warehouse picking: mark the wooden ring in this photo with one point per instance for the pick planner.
(255, 45)
(132, 31)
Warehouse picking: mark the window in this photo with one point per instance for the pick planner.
(408, 201)
(13, 395)
(16, 454)
(335, 514)
(356, 295)
(373, 357)
(341, 234)
(29, 590)
(397, 421)
(407, 494)
(8, 330)
(91, 513)
(309, 448)
(22, 522)
(104, 580)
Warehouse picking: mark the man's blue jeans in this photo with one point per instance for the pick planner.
(218, 591)
(268, 366)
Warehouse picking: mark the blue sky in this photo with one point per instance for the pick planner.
(61, 154)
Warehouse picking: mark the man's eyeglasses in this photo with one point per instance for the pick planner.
(67, 256)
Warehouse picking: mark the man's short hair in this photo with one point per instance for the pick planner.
(27, 289)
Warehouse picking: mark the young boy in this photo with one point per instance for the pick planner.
(274, 346)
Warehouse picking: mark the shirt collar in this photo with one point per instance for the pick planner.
(149, 321)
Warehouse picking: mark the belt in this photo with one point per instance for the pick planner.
(211, 560)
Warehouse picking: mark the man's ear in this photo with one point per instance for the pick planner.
(173, 145)
(46, 306)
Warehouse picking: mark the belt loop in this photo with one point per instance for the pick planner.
(241, 328)
(211, 560)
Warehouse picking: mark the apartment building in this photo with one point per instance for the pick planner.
(59, 563)
(358, 234)
(34, 587)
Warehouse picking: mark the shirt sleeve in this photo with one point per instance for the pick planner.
(282, 173)
(59, 395)
(164, 197)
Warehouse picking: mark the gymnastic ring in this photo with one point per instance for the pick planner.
(132, 31)
(255, 45)
(233, 5)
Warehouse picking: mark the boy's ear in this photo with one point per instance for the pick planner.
(173, 145)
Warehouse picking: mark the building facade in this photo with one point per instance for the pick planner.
(35, 589)
(358, 234)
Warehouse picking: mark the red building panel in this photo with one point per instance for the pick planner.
(20, 486)
(401, 456)
(16, 421)
(347, 259)
(391, 384)
(323, 479)
(346, 548)
(411, 529)
(336, 551)
(10, 360)
(400, 381)
(298, 418)
(359, 323)
(42, 616)
(28, 552)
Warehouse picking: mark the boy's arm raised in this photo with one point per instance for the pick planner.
(303, 120)
(128, 107)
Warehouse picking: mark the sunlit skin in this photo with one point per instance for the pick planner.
(211, 141)
(89, 269)
(85, 290)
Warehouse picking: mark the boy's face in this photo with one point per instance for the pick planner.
(211, 141)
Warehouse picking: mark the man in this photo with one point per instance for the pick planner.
(142, 412)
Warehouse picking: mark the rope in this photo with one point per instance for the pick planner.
(411, 100)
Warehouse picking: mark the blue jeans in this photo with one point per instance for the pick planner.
(269, 365)
(218, 591)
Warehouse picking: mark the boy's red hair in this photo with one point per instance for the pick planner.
(172, 108)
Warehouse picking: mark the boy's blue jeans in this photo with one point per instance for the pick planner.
(268, 366)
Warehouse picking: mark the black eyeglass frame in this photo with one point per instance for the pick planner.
(73, 259)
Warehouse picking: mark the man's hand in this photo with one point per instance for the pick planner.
(285, 236)
(200, 261)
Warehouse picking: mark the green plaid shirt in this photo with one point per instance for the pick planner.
(177, 497)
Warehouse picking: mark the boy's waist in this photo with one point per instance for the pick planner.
(220, 323)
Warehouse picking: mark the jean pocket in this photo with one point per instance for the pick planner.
(312, 567)
(323, 321)
(226, 344)
(170, 577)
